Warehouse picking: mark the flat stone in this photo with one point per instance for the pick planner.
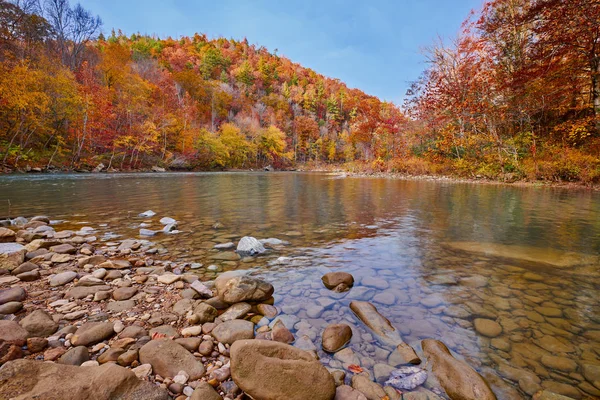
(238, 310)
(124, 293)
(62, 278)
(11, 255)
(120, 306)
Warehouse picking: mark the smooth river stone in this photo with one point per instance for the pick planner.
(383, 329)
(11, 255)
(487, 327)
(458, 379)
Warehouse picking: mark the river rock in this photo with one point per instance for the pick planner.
(487, 327)
(205, 313)
(13, 333)
(273, 370)
(81, 292)
(235, 311)
(11, 307)
(12, 294)
(336, 336)
(230, 331)
(29, 276)
(62, 278)
(331, 280)
(458, 379)
(92, 333)
(25, 267)
(64, 248)
(238, 289)
(7, 235)
(201, 289)
(120, 306)
(11, 255)
(280, 333)
(370, 389)
(345, 392)
(75, 356)
(28, 379)
(39, 323)
(168, 358)
(205, 392)
(124, 293)
(249, 246)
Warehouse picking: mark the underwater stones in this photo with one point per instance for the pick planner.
(487, 327)
(554, 345)
(458, 379)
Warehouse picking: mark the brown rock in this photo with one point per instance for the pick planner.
(124, 293)
(333, 279)
(370, 389)
(345, 392)
(205, 312)
(281, 334)
(39, 323)
(336, 336)
(28, 379)
(459, 380)
(205, 392)
(230, 331)
(12, 294)
(12, 333)
(7, 235)
(92, 333)
(36, 344)
(238, 289)
(168, 358)
(270, 370)
(75, 356)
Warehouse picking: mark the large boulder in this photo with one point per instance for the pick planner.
(11, 255)
(28, 379)
(458, 379)
(168, 358)
(270, 370)
(236, 289)
(336, 336)
(233, 330)
(249, 246)
(92, 333)
(39, 324)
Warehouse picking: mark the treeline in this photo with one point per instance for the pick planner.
(72, 97)
(515, 96)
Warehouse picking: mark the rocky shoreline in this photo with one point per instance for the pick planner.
(83, 318)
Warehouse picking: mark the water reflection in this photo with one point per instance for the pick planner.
(394, 237)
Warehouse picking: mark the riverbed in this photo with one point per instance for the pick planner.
(434, 257)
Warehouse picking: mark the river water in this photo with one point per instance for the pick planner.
(434, 257)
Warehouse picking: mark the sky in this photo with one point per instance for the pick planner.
(372, 45)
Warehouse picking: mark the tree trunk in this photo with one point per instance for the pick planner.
(596, 91)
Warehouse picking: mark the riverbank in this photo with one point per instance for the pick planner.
(116, 317)
(343, 172)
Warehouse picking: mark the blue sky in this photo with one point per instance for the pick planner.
(371, 45)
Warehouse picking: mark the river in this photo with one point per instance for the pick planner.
(434, 257)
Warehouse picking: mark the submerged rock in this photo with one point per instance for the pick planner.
(458, 379)
(384, 330)
(271, 370)
(28, 379)
(554, 257)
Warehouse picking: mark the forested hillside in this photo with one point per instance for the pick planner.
(75, 99)
(515, 96)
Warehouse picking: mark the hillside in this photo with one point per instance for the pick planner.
(194, 102)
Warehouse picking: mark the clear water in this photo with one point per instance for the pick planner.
(443, 254)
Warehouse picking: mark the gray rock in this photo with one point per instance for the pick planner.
(62, 278)
(75, 356)
(249, 246)
(230, 331)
